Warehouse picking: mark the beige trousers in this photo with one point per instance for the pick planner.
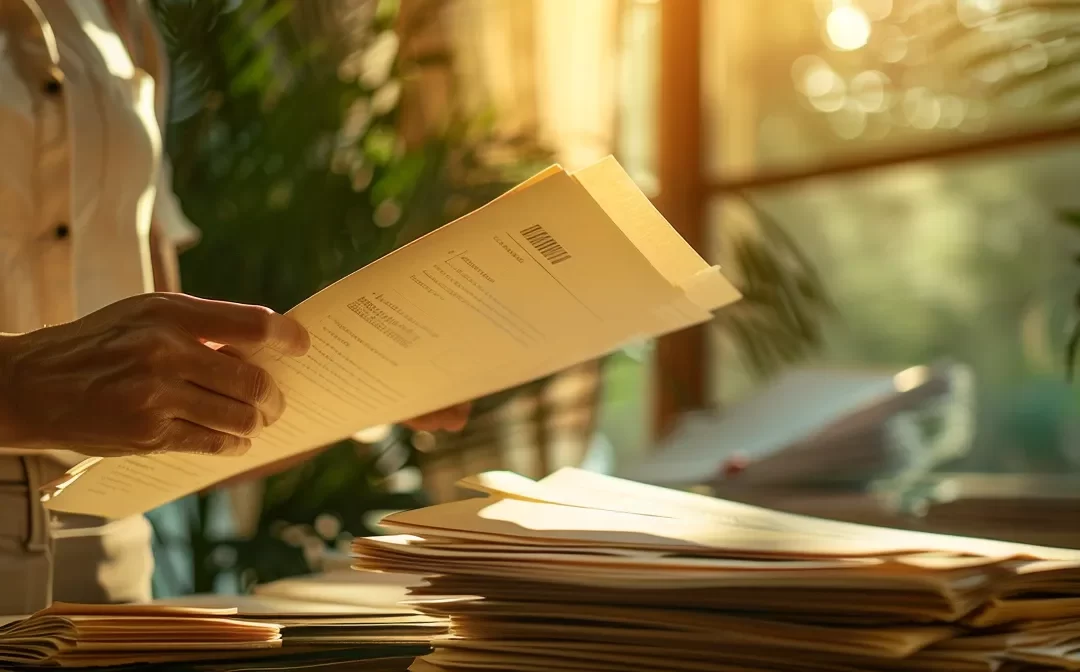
(62, 557)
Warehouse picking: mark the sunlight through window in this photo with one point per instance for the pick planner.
(848, 28)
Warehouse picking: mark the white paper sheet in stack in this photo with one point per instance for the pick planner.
(311, 624)
(585, 572)
(336, 617)
(344, 620)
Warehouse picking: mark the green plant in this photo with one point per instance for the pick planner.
(780, 317)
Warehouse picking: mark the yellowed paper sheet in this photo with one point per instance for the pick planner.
(531, 522)
(536, 281)
(578, 488)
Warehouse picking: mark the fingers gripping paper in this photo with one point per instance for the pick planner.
(562, 269)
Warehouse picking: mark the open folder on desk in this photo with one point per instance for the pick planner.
(562, 269)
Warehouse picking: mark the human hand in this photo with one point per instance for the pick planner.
(451, 419)
(137, 377)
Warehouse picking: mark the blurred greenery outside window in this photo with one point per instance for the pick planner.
(966, 261)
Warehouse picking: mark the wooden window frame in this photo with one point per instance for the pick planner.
(679, 370)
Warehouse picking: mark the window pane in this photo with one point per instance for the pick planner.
(967, 261)
(795, 82)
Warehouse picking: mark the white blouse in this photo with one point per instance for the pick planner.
(81, 174)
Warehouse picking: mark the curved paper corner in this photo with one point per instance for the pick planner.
(50, 491)
(710, 290)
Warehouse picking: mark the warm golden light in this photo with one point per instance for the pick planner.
(877, 10)
(909, 379)
(830, 94)
(868, 89)
(848, 28)
(373, 434)
(1031, 56)
(893, 45)
(823, 87)
(803, 67)
(922, 108)
(849, 122)
(820, 82)
(973, 12)
(953, 109)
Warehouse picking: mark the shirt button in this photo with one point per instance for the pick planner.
(62, 231)
(54, 83)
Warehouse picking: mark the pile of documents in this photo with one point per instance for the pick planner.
(89, 636)
(336, 609)
(580, 571)
(348, 619)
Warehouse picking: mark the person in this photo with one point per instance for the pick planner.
(89, 236)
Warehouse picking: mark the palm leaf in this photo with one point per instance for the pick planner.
(989, 54)
(780, 318)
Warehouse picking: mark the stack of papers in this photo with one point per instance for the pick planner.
(335, 617)
(562, 270)
(309, 624)
(342, 609)
(585, 572)
(70, 635)
(348, 619)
